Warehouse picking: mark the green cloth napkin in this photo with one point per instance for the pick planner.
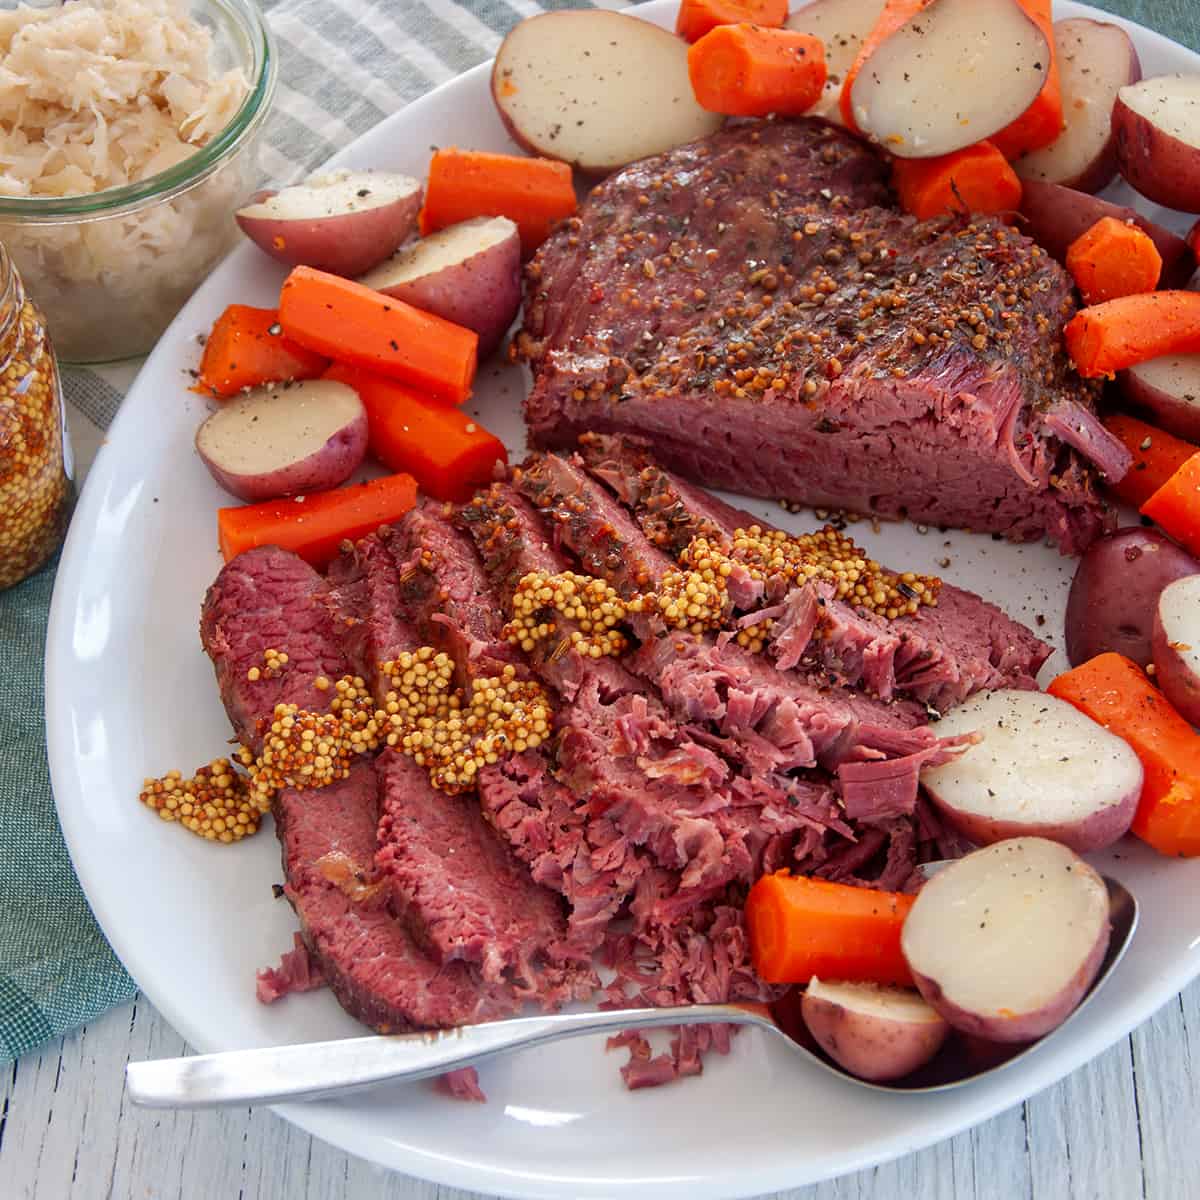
(56, 970)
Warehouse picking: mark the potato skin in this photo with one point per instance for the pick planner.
(482, 293)
(1167, 411)
(1114, 595)
(1092, 833)
(1155, 164)
(334, 463)
(1179, 683)
(871, 1047)
(346, 244)
(1020, 1027)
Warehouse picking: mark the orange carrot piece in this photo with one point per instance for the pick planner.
(746, 71)
(533, 192)
(1121, 333)
(1115, 692)
(698, 17)
(1113, 258)
(895, 14)
(977, 179)
(315, 526)
(801, 927)
(1176, 505)
(448, 453)
(1156, 457)
(247, 347)
(1042, 121)
(351, 323)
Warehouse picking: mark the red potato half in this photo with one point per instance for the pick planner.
(874, 1032)
(469, 273)
(285, 439)
(955, 74)
(1095, 60)
(1157, 127)
(1115, 593)
(1055, 216)
(1041, 768)
(344, 222)
(1177, 646)
(843, 26)
(1168, 388)
(596, 89)
(1005, 942)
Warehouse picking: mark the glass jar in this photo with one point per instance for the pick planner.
(35, 457)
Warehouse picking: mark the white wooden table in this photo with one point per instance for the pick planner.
(1121, 1128)
(1127, 1126)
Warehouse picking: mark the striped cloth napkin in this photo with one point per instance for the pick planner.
(345, 65)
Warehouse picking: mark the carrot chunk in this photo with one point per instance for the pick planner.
(895, 13)
(1156, 457)
(1114, 691)
(315, 526)
(1176, 505)
(351, 323)
(747, 71)
(977, 179)
(533, 192)
(1113, 258)
(1042, 121)
(698, 17)
(448, 453)
(246, 348)
(801, 927)
(1121, 333)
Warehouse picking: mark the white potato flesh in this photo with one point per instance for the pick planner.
(1095, 60)
(1157, 126)
(1171, 103)
(956, 73)
(285, 439)
(447, 248)
(596, 89)
(1040, 767)
(843, 26)
(1169, 389)
(1005, 942)
(1176, 641)
(334, 194)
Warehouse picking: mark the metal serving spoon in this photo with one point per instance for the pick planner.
(320, 1070)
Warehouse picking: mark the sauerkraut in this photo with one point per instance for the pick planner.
(96, 94)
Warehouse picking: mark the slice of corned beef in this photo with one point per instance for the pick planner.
(376, 970)
(938, 656)
(846, 356)
(267, 598)
(297, 972)
(464, 894)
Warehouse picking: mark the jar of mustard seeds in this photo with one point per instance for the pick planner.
(35, 458)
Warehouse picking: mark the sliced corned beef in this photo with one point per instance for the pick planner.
(464, 894)
(267, 598)
(844, 355)
(297, 972)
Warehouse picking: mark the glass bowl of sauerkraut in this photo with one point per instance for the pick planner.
(129, 135)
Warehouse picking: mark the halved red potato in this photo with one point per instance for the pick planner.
(1095, 60)
(343, 221)
(1115, 593)
(843, 25)
(1041, 768)
(596, 89)
(1177, 646)
(1055, 216)
(285, 439)
(954, 74)
(469, 273)
(874, 1032)
(1168, 388)
(1005, 942)
(1157, 126)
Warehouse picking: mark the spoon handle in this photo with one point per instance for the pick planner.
(323, 1069)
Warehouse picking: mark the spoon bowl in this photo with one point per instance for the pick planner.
(320, 1070)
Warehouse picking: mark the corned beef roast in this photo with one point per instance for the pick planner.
(753, 305)
(673, 775)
